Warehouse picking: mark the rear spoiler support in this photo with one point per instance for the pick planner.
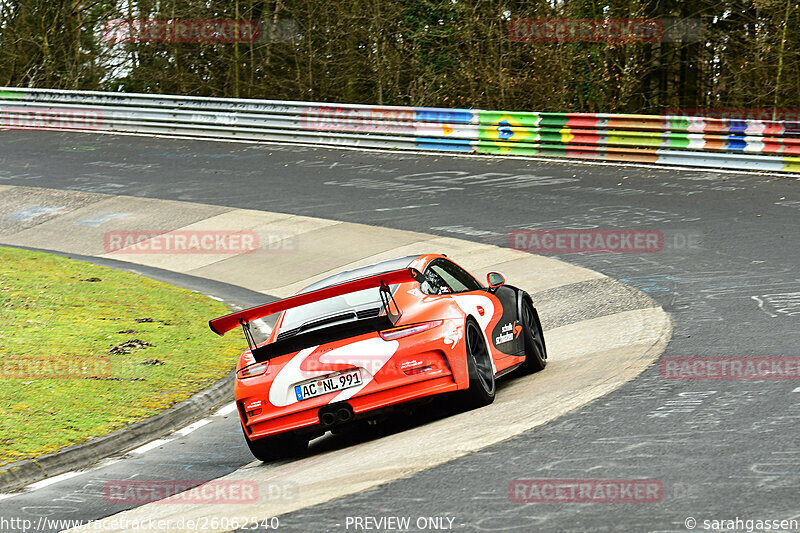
(386, 298)
(251, 342)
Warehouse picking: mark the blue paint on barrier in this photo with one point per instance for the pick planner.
(443, 145)
(736, 143)
(432, 114)
(504, 131)
(737, 126)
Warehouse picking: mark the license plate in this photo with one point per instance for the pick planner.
(329, 383)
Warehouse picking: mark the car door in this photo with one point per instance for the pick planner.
(495, 311)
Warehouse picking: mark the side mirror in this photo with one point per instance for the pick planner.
(495, 279)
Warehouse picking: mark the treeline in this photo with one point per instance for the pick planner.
(451, 53)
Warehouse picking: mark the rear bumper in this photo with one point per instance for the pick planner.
(360, 404)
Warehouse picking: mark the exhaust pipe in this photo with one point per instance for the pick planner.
(343, 414)
(335, 414)
(327, 418)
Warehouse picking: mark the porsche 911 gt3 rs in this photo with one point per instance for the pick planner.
(362, 341)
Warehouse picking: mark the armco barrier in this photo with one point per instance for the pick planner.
(667, 140)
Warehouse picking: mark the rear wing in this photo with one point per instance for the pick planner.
(223, 324)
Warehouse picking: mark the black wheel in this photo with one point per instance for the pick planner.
(277, 447)
(535, 350)
(479, 363)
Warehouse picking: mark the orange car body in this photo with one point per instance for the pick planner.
(418, 354)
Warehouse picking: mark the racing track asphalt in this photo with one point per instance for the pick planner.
(580, 307)
(723, 449)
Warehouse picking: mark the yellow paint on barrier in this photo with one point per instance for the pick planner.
(628, 139)
(791, 164)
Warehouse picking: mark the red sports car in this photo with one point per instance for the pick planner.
(362, 341)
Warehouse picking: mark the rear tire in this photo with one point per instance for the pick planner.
(535, 350)
(479, 364)
(277, 447)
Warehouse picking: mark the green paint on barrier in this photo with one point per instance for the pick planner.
(679, 140)
(551, 136)
(633, 138)
(507, 130)
(507, 148)
(680, 123)
(554, 120)
(521, 119)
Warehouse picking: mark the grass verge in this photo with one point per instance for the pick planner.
(85, 350)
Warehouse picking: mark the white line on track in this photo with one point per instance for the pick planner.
(62, 477)
(224, 411)
(105, 462)
(53, 480)
(381, 209)
(228, 409)
(262, 326)
(796, 390)
(149, 446)
(215, 298)
(193, 427)
(110, 461)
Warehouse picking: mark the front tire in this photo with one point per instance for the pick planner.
(535, 350)
(482, 388)
(277, 447)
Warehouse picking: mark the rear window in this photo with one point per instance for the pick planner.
(356, 301)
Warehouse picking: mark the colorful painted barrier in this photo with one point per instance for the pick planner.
(667, 140)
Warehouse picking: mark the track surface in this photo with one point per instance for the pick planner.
(722, 449)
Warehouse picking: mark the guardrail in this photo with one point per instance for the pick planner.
(666, 140)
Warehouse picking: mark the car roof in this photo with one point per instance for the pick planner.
(377, 268)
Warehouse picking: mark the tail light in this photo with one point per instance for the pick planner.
(405, 331)
(418, 370)
(253, 370)
(253, 408)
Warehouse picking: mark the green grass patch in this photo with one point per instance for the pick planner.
(65, 376)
